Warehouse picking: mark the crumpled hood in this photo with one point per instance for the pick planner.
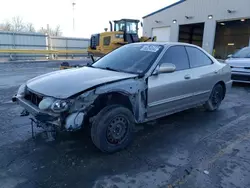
(65, 83)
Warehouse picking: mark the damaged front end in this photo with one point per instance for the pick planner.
(69, 114)
(53, 114)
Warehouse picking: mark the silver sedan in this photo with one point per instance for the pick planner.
(133, 84)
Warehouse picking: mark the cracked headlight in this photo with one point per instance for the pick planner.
(21, 90)
(46, 103)
(60, 106)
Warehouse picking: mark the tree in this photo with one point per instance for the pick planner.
(42, 30)
(6, 26)
(30, 27)
(51, 31)
(57, 31)
(15, 25)
(18, 24)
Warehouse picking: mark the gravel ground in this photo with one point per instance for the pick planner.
(193, 148)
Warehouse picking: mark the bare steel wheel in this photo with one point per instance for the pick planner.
(113, 128)
(215, 98)
(117, 130)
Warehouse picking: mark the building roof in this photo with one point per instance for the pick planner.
(167, 7)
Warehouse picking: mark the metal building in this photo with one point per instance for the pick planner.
(219, 26)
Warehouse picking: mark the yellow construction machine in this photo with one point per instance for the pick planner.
(121, 32)
(125, 31)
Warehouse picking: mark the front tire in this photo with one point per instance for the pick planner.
(113, 128)
(215, 98)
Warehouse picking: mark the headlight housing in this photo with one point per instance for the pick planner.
(21, 90)
(46, 103)
(60, 106)
(119, 36)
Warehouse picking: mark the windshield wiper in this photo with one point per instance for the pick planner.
(92, 58)
(116, 70)
(89, 65)
(111, 69)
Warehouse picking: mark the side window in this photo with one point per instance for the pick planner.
(176, 55)
(197, 58)
(106, 41)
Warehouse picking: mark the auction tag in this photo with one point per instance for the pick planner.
(150, 48)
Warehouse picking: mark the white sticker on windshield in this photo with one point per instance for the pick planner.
(150, 48)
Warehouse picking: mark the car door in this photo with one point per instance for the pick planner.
(170, 92)
(204, 73)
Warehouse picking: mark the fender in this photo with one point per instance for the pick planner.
(135, 89)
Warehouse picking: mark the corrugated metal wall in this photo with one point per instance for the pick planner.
(13, 40)
(67, 43)
(10, 40)
(34, 41)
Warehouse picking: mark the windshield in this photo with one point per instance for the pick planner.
(243, 53)
(120, 26)
(131, 58)
(131, 27)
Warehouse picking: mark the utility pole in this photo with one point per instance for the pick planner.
(73, 8)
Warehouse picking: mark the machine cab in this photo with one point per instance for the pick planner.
(130, 29)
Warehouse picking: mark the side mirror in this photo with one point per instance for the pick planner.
(164, 68)
(229, 56)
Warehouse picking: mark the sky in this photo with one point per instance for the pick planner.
(91, 16)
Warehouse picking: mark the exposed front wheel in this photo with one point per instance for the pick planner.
(112, 129)
(215, 98)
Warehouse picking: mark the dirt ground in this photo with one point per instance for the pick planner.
(193, 149)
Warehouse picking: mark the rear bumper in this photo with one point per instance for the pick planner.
(243, 77)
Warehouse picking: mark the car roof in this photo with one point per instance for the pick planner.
(166, 43)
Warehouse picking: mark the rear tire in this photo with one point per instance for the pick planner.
(215, 98)
(113, 128)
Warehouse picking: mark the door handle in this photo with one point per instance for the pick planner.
(187, 76)
(216, 71)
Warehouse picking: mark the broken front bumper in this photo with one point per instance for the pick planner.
(69, 122)
(44, 117)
